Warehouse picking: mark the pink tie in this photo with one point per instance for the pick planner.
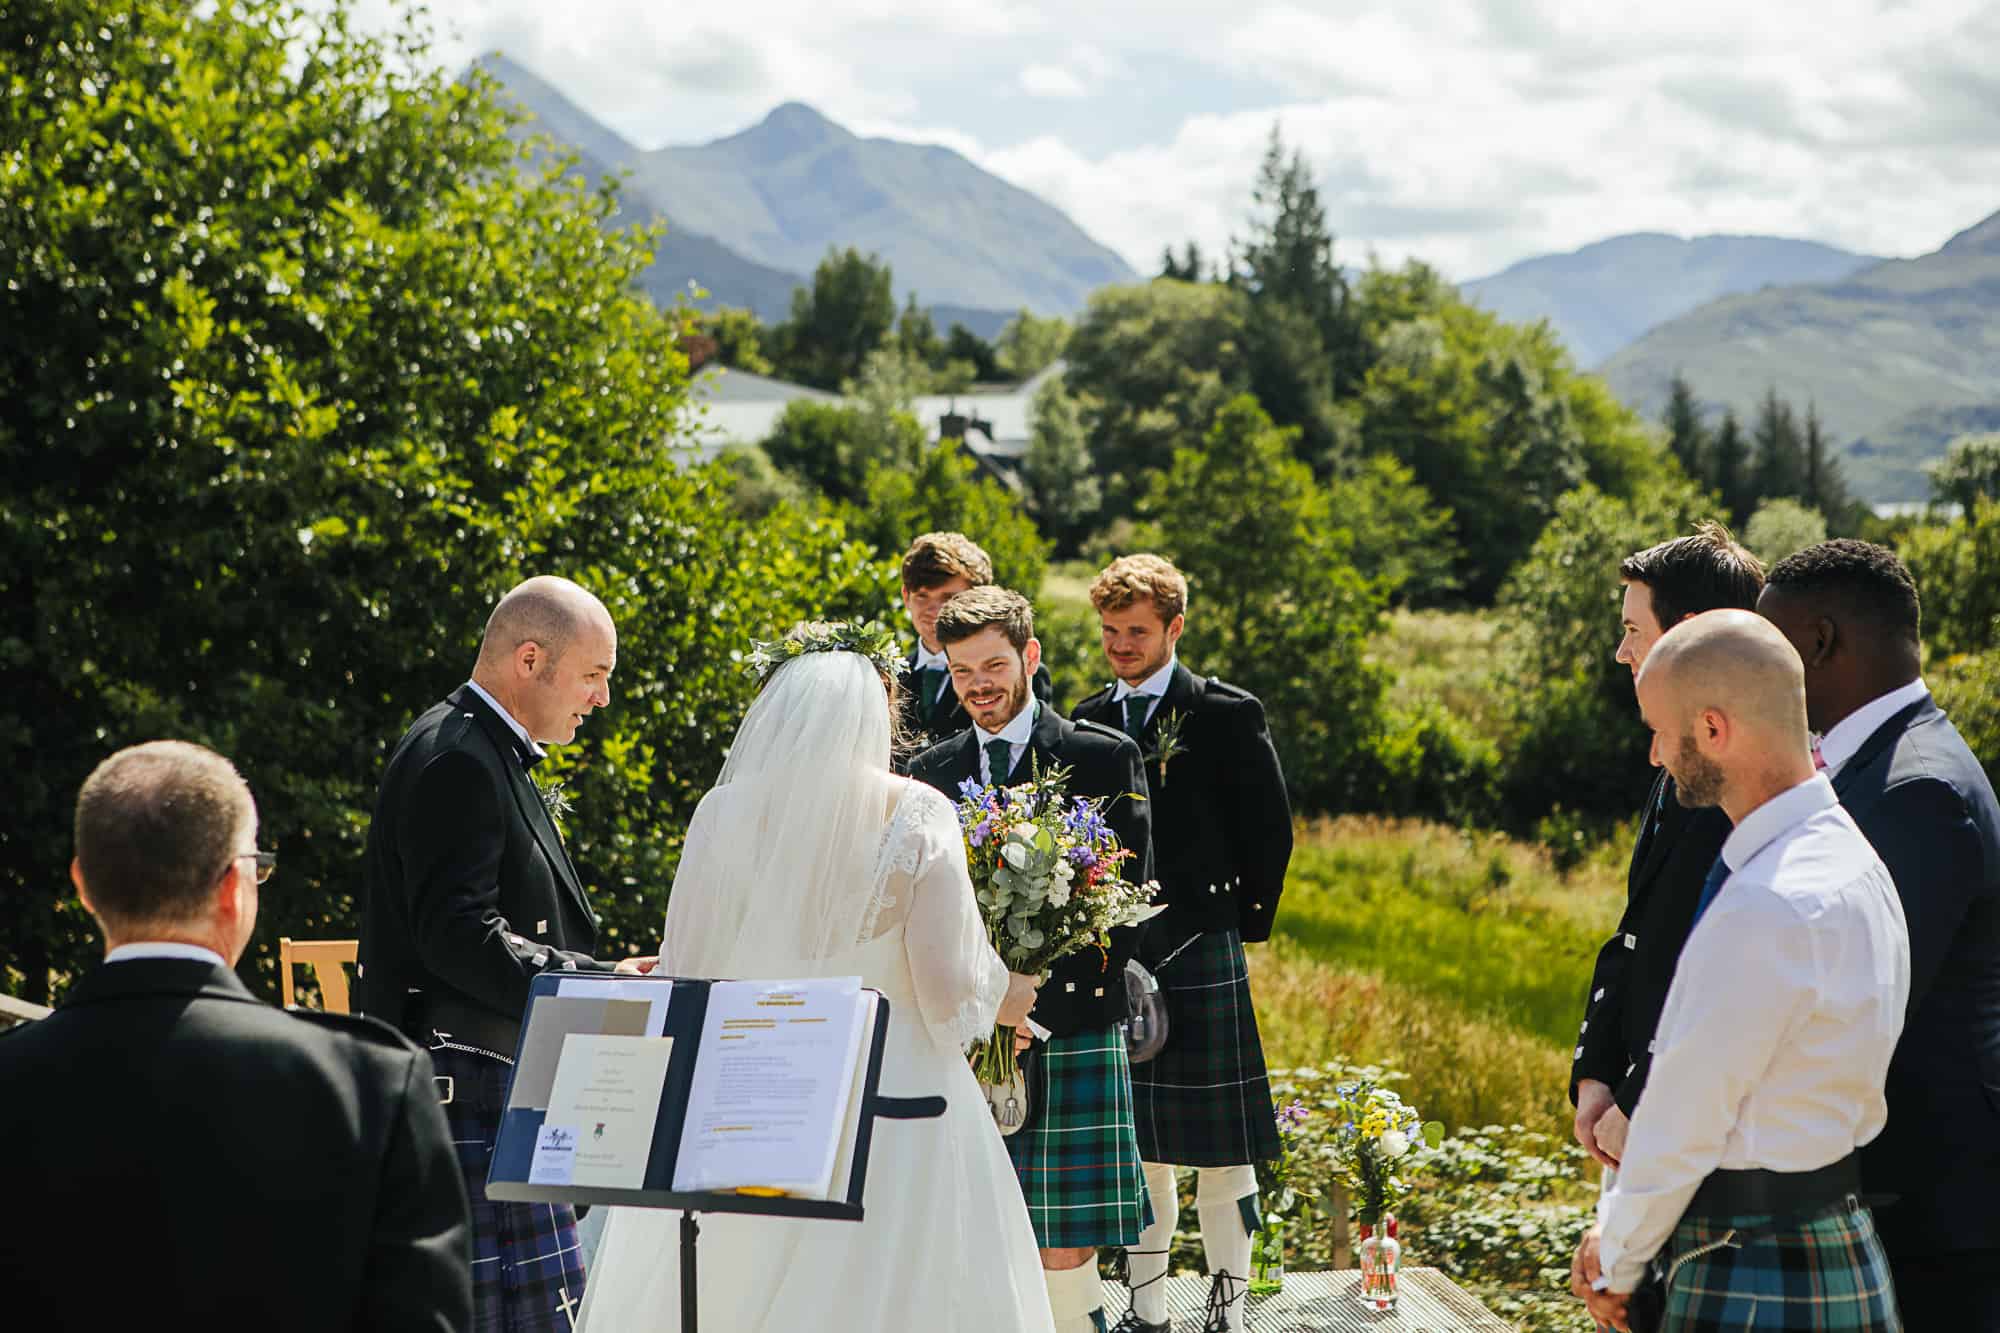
(1819, 761)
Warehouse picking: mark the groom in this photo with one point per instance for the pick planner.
(1078, 1156)
(1223, 839)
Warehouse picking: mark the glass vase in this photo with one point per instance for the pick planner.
(1381, 1258)
(1267, 1259)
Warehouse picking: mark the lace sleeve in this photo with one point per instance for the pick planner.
(959, 979)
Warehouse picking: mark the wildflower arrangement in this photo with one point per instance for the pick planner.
(1047, 870)
(1283, 1182)
(1375, 1142)
(868, 638)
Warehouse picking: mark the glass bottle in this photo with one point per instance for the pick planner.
(1381, 1257)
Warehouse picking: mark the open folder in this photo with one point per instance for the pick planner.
(743, 1096)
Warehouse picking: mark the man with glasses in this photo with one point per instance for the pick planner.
(179, 1151)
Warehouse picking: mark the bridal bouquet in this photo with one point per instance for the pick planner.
(1046, 868)
(1375, 1141)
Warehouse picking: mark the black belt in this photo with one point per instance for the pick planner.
(460, 1022)
(1759, 1193)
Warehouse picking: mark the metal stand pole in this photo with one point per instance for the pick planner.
(690, 1229)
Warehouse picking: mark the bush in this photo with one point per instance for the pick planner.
(1427, 762)
(946, 491)
(1968, 688)
(1957, 569)
(1781, 527)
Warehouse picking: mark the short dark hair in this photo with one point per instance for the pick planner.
(976, 608)
(939, 557)
(1864, 580)
(156, 826)
(1706, 571)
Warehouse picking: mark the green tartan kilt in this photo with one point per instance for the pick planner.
(1828, 1273)
(1205, 1099)
(1077, 1158)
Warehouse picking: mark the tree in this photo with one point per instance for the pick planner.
(1781, 527)
(1729, 469)
(1687, 437)
(838, 321)
(945, 491)
(1956, 566)
(1187, 267)
(1030, 343)
(1969, 472)
(1288, 260)
(962, 344)
(1402, 538)
(836, 447)
(738, 339)
(917, 335)
(1778, 455)
(1276, 605)
(1825, 487)
(1063, 490)
(317, 375)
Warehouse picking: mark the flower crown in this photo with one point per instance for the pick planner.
(868, 638)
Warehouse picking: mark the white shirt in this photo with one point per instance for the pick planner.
(1017, 734)
(1153, 686)
(1846, 736)
(534, 746)
(194, 953)
(926, 659)
(1779, 1025)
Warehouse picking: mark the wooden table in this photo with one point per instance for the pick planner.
(1429, 1302)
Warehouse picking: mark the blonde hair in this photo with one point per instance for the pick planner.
(1136, 578)
(939, 557)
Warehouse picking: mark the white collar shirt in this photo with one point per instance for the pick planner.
(929, 661)
(142, 949)
(1846, 737)
(1153, 686)
(534, 747)
(1776, 1036)
(1017, 734)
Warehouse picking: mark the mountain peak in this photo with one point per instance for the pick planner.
(800, 126)
(1981, 238)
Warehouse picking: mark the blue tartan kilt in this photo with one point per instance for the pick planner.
(1205, 1099)
(527, 1268)
(1827, 1273)
(1077, 1158)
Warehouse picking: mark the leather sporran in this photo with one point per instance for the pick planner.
(1146, 1028)
(1646, 1311)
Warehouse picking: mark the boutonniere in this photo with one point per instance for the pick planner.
(1167, 744)
(554, 800)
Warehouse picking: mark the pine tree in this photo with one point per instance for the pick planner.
(1288, 260)
(1825, 486)
(1687, 437)
(1729, 469)
(1779, 469)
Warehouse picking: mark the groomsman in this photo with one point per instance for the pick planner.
(1905, 774)
(470, 895)
(1078, 1155)
(1742, 1182)
(1222, 839)
(1664, 585)
(938, 567)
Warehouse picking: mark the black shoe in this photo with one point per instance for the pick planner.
(1222, 1288)
(1132, 1323)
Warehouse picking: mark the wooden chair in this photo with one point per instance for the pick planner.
(326, 959)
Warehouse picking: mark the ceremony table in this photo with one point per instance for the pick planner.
(1429, 1302)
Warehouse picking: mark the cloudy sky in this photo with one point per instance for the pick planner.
(1470, 133)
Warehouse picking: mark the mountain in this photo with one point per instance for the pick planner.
(1896, 357)
(749, 216)
(1603, 296)
(789, 187)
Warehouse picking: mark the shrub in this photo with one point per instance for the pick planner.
(1781, 527)
(1968, 688)
(1957, 569)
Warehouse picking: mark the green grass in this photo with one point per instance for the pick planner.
(1446, 656)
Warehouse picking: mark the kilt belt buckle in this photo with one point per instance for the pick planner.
(447, 1088)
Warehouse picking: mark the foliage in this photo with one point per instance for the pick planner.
(1063, 490)
(1276, 605)
(756, 485)
(302, 325)
(1575, 725)
(836, 322)
(1956, 566)
(836, 447)
(944, 491)
(1729, 471)
(1969, 472)
(1029, 343)
(1968, 688)
(1402, 537)
(737, 338)
(1781, 527)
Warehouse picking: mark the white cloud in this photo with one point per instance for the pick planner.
(1051, 81)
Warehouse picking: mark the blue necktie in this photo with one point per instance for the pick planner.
(1711, 886)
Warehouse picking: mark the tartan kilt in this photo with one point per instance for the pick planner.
(1205, 1099)
(1826, 1273)
(1077, 1158)
(527, 1268)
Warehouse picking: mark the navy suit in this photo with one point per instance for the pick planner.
(1925, 803)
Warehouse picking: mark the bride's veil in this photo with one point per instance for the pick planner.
(781, 855)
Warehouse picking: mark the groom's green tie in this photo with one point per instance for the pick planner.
(998, 755)
(1135, 713)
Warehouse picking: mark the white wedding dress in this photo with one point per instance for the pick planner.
(946, 1246)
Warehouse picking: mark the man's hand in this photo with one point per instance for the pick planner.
(638, 965)
(1593, 1100)
(1023, 1039)
(1020, 999)
(1610, 1310)
(1607, 1309)
(1612, 1127)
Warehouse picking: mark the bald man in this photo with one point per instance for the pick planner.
(471, 895)
(1740, 1185)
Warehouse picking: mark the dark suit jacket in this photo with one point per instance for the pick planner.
(180, 1154)
(1628, 987)
(1222, 825)
(923, 728)
(470, 894)
(1087, 989)
(1923, 800)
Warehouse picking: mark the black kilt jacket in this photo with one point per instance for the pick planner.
(180, 1154)
(923, 728)
(1087, 989)
(1222, 824)
(1628, 987)
(469, 893)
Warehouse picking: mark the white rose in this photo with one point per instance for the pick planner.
(1395, 1143)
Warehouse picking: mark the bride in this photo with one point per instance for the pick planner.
(811, 858)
